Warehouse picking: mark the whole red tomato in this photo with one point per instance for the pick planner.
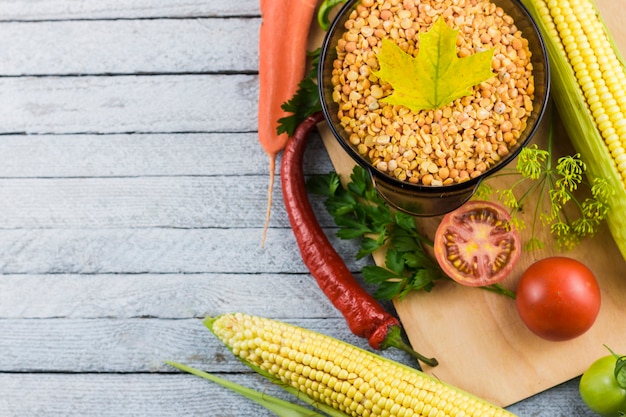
(476, 244)
(558, 298)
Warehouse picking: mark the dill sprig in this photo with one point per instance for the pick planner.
(555, 188)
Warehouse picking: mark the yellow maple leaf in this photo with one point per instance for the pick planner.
(436, 76)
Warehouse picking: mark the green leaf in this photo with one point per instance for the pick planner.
(390, 290)
(423, 280)
(419, 260)
(405, 221)
(374, 274)
(404, 242)
(368, 246)
(276, 405)
(360, 176)
(325, 185)
(436, 76)
(394, 261)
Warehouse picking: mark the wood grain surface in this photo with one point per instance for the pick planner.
(25, 10)
(132, 203)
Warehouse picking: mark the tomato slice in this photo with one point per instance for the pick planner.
(476, 244)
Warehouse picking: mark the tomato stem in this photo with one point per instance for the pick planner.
(499, 289)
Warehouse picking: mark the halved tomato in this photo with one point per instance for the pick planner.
(476, 244)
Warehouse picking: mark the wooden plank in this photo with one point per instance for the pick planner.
(171, 154)
(175, 395)
(149, 46)
(128, 395)
(171, 296)
(159, 250)
(128, 104)
(120, 9)
(133, 345)
(141, 202)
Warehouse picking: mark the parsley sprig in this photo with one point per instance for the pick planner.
(555, 187)
(360, 213)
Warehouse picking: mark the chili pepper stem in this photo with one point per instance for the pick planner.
(394, 339)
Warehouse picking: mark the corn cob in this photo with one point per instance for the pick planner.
(588, 82)
(340, 375)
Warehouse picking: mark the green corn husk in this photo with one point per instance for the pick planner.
(279, 407)
(580, 126)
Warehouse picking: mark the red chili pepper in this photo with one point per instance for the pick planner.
(364, 315)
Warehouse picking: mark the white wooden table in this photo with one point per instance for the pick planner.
(127, 213)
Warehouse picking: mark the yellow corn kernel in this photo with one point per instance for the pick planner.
(588, 85)
(600, 74)
(349, 379)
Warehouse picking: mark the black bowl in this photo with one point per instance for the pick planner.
(423, 200)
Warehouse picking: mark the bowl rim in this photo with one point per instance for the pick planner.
(325, 52)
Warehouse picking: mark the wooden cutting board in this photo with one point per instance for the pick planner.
(480, 342)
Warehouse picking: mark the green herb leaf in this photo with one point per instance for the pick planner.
(323, 184)
(405, 221)
(369, 246)
(436, 76)
(394, 261)
(374, 274)
(561, 183)
(351, 228)
(422, 281)
(361, 213)
(390, 290)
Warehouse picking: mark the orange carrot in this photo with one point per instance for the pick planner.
(282, 65)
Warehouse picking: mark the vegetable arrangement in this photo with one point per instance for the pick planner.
(364, 315)
(282, 64)
(331, 374)
(589, 90)
(361, 213)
